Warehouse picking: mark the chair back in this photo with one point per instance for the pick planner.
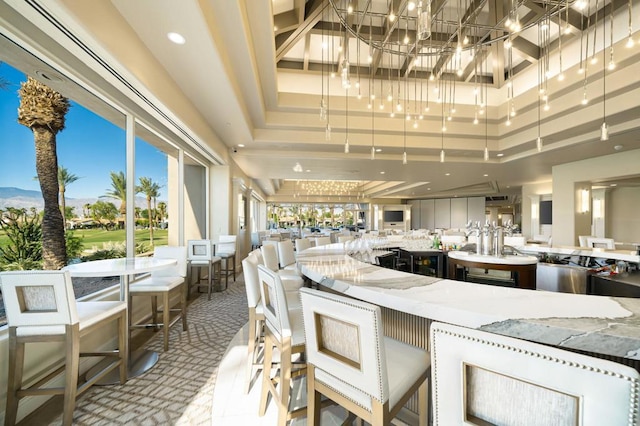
(344, 341)
(270, 257)
(274, 303)
(226, 244)
(594, 242)
(302, 244)
(40, 300)
(345, 238)
(323, 241)
(199, 251)
(485, 378)
(171, 252)
(251, 280)
(286, 255)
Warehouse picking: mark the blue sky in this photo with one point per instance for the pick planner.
(89, 147)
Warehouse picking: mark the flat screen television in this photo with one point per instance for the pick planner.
(393, 216)
(546, 212)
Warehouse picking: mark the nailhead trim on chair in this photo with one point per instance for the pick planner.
(380, 390)
(634, 383)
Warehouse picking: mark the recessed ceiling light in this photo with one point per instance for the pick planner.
(308, 170)
(240, 145)
(428, 189)
(618, 147)
(485, 175)
(46, 75)
(378, 149)
(447, 174)
(500, 155)
(381, 173)
(614, 184)
(176, 38)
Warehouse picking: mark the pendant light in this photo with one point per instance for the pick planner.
(604, 129)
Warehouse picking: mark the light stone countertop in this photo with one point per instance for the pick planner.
(599, 324)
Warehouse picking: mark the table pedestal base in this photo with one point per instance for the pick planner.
(140, 362)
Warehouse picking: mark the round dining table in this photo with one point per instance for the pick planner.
(141, 360)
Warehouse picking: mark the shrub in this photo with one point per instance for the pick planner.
(24, 230)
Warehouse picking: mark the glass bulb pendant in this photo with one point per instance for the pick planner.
(373, 153)
(604, 132)
(442, 156)
(346, 146)
(486, 153)
(404, 157)
(424, 21)
(539, 144)
(344, 74)
(327, 132)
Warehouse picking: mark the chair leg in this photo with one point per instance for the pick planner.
(209, 282)
(266, 374)
(423, 403)
(14, 379)
(253, 344)
(285, 382)
(313, 399)
(72, 364)
(166, 312)
(183, 311)
(122, 353)
(154, 312)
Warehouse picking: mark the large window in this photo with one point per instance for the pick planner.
(316, 215)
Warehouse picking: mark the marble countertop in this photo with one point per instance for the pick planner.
(599, 324)
(503, 260)
(626, 255)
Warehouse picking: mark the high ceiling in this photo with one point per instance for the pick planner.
(252, 72)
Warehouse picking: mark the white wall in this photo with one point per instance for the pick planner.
(566, 177)
(531, 196)
(623, 214)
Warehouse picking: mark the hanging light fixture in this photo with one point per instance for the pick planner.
(604, 129)
(346, 120)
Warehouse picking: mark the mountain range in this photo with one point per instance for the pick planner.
(24, 198)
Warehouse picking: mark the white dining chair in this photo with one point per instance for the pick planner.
(41, 308)
(165, 284)
(291, 279)
(287, 257)
(302, 244)
(322, 241)
(485, 378)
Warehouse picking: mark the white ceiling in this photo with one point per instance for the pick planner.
(228, 71)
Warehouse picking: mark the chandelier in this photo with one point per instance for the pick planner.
(410, 56)
(346, 188)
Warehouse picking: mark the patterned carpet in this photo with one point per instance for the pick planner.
(179, 389)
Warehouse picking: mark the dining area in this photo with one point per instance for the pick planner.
(108, 338)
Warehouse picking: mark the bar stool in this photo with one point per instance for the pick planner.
(351, 362)
(226, 250)
(256, 317)
(164, 283)
(486, 378)
(200, 254)
(41, 307)
(284, 331)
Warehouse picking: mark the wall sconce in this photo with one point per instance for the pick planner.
(584, 201)
(534, 211)
(597, 209)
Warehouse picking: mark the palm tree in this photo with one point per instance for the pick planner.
(162, 210)
(151, 190)
(118, 190)
(43, 111)
(64, 179)
(86, 209)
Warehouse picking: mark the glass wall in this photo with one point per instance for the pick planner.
(316, 215)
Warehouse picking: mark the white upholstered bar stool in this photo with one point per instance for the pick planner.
(226, 250)
(41, 307)
(256, 317)
(284, 331)
(485, 378)
(290, 279)
(199, 255)
(287, 257)
(166, 284)
(302, 244)
(322, 241)
(351, 362)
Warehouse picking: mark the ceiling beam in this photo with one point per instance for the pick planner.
(496, 14)
(377, 55)
(300, 32)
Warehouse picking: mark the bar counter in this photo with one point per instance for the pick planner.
(605, 326)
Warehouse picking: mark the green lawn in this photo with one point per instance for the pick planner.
(96, 237)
